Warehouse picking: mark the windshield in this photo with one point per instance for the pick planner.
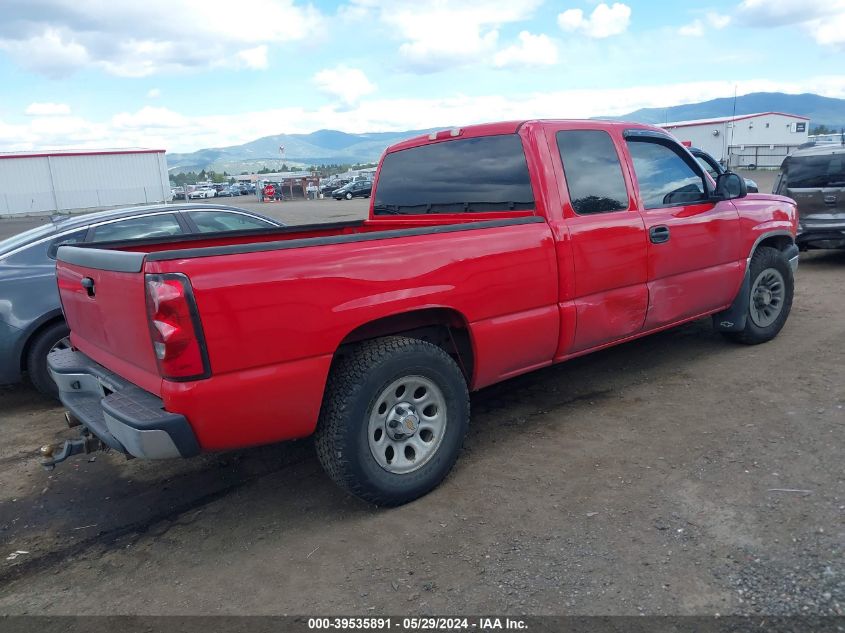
(805, 172)
(22, 239)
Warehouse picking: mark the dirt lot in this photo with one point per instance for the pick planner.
(679, 474)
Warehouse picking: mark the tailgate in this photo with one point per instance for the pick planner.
(102, 293)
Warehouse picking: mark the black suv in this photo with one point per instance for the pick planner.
(815, 178)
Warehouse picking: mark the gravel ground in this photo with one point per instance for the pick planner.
(677, 474)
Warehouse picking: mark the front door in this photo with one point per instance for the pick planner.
(607, 247)
(694, 260)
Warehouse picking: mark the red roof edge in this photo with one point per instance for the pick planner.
(738, 118)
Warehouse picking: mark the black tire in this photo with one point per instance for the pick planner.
(356, 382)
(36, 358)
(764, 259)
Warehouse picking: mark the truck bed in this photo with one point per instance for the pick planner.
(276, 305)
(297, 236)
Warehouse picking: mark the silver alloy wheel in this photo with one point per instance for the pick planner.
(63, 343)
(767, 296)
(407, 424)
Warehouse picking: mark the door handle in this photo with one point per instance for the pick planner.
(658, 234)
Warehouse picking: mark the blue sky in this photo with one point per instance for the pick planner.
(188, 74)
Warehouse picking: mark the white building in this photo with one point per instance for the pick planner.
(67, 180)
(761, 139)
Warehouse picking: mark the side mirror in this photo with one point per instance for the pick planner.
(730, 185)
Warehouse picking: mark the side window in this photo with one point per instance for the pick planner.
(593, 171)
(162, 225)
(665, 178)
(220, 221)
(65, 240)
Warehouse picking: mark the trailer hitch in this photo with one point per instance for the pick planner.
(56, 453)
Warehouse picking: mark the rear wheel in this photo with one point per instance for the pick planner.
(770, 300)
(52, 338)
(394, 416)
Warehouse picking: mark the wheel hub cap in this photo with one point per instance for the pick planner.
(764, 297)
(407, 423)
(768, 293)
(402, 423)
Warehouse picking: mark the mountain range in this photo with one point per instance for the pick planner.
(335, 147)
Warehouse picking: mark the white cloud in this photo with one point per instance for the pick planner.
(717, 20)
(781, 12)
(346, 84)
(179, 132)
(57, 37)
(153, 93)
(532, 50)
(693, 29)
(47, 109)
(48, 52)
(696, 28)
(604, 21)
(829, 32)
(823, 20)
(255, 58)
(445, 33)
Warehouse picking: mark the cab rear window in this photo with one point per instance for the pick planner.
(471, 175)
(806, 172)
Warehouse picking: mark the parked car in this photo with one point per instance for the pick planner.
(715, 168)
(229, 192)
(177, 193)
(354, 189)
(485, 256)
(815, 178)
(31, 323)
(202, 193)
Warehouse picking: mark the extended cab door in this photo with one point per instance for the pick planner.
(607, 249)
(694, 259)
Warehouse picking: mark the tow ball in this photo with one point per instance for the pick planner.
(56, 453)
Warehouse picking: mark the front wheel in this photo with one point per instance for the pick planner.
(349, 196)
(770, 300)
(393, 419)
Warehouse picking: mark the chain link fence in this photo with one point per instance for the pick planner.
(758, 156)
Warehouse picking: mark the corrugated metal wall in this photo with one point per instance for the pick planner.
(81, 181)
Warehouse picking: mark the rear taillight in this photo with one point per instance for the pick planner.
(175, 328)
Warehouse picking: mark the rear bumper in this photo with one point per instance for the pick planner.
(821, 238)
(124, 416)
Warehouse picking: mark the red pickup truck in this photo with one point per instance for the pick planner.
(489, 251)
